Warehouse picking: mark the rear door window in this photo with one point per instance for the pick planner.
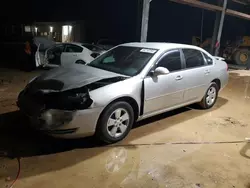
(193, 58)
(208, 59)
(58, 49)
(73, 49)
(171, 61)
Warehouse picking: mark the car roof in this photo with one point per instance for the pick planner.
(76, 43)
(160, 45)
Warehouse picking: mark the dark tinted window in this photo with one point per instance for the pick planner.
(209, 59)
(57, 49)
(193, 58)
(73, 48)
(171, 61)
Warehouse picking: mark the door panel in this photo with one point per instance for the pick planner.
(67, 58)
(40, 57)
(196, 83)
(197, 74)
(53, 56)
(164, 91)
(71, 54)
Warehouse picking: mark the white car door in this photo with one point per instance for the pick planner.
(40, 57)
(53, 56)
(165, 91)
(50, 57)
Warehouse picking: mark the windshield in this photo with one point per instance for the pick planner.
(124, 60)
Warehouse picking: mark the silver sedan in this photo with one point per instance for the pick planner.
(128, 83)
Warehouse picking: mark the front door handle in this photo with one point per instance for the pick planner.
(178, 77)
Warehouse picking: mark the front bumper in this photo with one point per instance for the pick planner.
(62, 123)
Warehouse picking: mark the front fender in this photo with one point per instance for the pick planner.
(103, 96)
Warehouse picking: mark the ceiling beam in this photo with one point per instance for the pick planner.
(240, 2)
(238, 14)
(199, 4)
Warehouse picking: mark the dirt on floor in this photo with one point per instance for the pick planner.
(142, 160)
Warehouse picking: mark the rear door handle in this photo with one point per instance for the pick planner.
(74, 55)
(178, 77)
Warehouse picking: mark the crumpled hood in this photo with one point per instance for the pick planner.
(71, 77)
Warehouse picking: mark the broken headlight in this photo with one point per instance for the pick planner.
(68, 100)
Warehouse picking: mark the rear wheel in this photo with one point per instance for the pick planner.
(241, 57)
(210, 97)
(115, 122)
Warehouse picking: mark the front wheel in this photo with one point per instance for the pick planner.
(210, 97)
(115, 122)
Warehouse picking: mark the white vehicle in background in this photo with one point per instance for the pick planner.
(63, 54)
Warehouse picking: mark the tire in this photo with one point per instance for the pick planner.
(80, 62)
(241, 57)
(205, 104)
(118, 128)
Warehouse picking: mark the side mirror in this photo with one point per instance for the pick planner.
(160, 71)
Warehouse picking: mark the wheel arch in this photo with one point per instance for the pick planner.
(129, 100)
(80, 60)
(218, 82)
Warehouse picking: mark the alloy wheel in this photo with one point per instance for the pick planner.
(118, 122)
(211, 96)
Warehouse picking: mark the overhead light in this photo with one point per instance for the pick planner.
(36, 29)
(50, 29)
(67, 29)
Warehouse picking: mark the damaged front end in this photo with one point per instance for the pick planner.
(75, 99)
(50, 110)
(59, 100)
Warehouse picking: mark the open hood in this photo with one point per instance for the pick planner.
(67, 78)
(43, 43)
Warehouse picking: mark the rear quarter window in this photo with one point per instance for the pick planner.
(208, 59)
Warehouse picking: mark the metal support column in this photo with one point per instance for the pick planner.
(221, 26)
(202, 23)
(145, 18)
(215, 32)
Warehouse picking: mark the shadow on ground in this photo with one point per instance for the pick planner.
(18, 140)
(245, 150)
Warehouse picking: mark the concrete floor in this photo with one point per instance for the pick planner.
(50, 163)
